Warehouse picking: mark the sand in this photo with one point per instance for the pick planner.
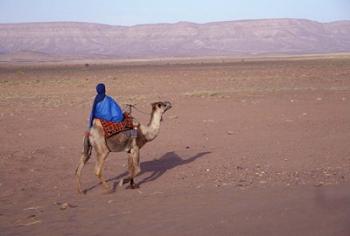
(249, 148)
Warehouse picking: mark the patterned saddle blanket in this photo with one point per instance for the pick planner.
(111, 128)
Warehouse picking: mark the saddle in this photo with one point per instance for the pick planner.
(111, 128)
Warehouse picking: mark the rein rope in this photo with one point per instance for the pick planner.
(130, 106)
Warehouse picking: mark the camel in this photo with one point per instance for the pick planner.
(120, 142)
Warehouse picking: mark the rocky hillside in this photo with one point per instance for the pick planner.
(183, 39)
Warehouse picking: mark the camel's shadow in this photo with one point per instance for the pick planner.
(155, 168)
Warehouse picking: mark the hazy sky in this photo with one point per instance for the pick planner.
(131, 12)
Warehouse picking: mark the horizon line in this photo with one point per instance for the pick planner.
(173, 23)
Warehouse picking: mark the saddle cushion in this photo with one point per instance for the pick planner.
(111, 128)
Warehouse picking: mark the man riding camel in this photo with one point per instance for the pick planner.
(105, 107)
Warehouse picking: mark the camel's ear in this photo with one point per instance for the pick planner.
(154, 106)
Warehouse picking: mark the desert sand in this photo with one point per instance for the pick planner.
(250, 147)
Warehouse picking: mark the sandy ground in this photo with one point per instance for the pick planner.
(249, 148)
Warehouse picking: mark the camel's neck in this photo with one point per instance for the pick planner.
(151, 131)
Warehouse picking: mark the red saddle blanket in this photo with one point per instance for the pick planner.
(112, 128)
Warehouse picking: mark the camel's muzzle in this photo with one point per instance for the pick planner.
(167, 105)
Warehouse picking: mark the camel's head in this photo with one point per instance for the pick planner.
(161, 107)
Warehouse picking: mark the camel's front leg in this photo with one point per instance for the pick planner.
(101, 158)
(134, 165)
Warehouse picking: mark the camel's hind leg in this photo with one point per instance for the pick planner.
(134, 165)
(83, 159)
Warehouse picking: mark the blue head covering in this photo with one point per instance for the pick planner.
(101, 94)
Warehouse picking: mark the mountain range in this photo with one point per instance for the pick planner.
(182, 39)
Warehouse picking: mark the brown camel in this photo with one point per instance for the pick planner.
(130, 142)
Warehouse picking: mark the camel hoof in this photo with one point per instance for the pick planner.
(108, 191)
(134, 186)
(123, 181)
(81, 191)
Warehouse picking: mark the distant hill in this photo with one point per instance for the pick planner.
(183, 39)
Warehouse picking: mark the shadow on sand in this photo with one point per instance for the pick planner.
(156, 168)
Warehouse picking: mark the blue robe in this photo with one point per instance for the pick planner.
(107, 109)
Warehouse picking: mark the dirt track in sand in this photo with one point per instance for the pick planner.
(249, 148)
